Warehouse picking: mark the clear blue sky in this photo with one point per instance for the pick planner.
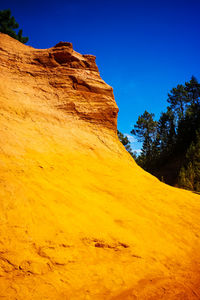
(143, 48)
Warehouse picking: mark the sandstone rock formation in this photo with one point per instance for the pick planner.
(79, 219)
(65, 79)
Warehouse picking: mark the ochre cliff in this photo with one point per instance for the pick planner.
(61, 77)
(79, 219)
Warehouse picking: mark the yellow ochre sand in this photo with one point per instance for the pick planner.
(78, 218)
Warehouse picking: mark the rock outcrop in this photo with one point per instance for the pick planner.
(69, 79)
(78, 218)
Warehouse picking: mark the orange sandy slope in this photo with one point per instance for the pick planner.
(79, 219)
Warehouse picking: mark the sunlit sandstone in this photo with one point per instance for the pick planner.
(78, 218)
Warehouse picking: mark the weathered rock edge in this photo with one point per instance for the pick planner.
(71, 78)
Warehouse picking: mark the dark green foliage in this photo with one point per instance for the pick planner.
(189, 176)
(8, 26)
(145, 131)
(193, 90)
(125, 141)
(175, 139)
(177, 98)
(145, 127)
(166, 133)
(184, 180)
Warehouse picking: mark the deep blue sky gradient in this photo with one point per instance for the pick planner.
(143, 48)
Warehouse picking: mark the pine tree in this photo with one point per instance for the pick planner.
(175, 139)
(189, 176)
(166, 133)
(196, 163)
(145, 131)
(193, 90)
(178, 99)
(184, 179)
(8, 26)
(125, 141)
(145, 128)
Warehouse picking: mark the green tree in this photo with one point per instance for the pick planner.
(145, 131)
(183, 180)
(189, 176)
(171, 146)
(8, 26)
(178, 98)
(125, 141)
(166, 133)
(193, 90)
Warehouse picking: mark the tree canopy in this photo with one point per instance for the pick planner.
(125, 141)
(145, 131)
(8, 25)
(173, 140)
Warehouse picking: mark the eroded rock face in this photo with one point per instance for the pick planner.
(69, 80)
(78, 218)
